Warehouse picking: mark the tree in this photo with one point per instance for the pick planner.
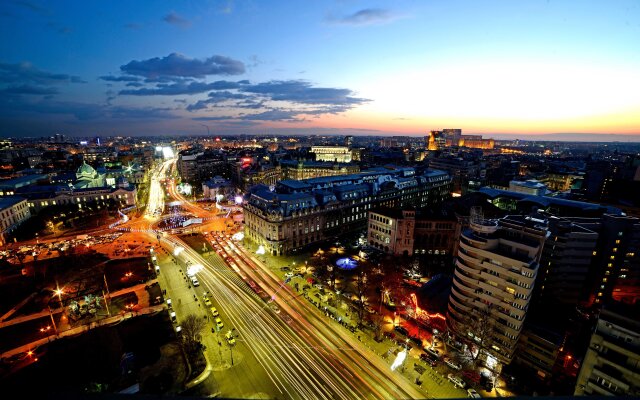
(480, 324)
(361, 287)
(191, 328)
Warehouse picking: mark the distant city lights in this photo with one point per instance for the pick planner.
(260, 250)
(239, 199)
(238, 236)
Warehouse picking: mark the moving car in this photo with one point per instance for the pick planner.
(173, 316)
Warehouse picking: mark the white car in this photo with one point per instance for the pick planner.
(453, 364)
(472, 394)
(194, 281)
(457, 382)
(288, 275)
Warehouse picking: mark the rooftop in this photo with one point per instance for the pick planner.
(6, 202)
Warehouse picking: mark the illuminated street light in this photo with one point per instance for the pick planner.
(260, 250)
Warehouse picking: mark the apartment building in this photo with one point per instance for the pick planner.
(495, 271)
(611, 366)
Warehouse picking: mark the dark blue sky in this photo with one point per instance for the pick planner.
(402, 67)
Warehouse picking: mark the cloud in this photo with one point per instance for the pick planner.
(182, 88)
(26, 73)
(367, 16)
(302, 92)
(174, 19)
(38, 9)
(217, 98)
(133, 26)
(273, 115)
(16, 106)
(134, 84)
(30, 89)
(123, 78)
(178, 65)
(141, 113)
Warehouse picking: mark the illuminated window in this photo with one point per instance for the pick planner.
(604, 280)
(609, 265)
(617, 241)
(510, 290)
(595, 252)
(615, 249)
(623, 276)
(599, 294)
(613, 257)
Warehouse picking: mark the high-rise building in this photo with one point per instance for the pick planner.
(495, 271)
(565, 263)
(611, 366)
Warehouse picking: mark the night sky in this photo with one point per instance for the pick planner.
(391, 67)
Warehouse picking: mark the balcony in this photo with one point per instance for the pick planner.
(471, 282)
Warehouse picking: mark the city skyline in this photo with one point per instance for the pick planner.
(373, 68)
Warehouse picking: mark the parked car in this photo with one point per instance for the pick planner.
(230, 338)
(219, 323)
(472, 394)
(214, 311)
(452, 364)
(457, 381)
(402, 330)
(428, 358)
(433, 352)
(285, 269)
(207, 302)
(289, 275)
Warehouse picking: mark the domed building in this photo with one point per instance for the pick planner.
(87, 177)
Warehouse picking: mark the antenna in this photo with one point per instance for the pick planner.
(207, 126)
(476, 215)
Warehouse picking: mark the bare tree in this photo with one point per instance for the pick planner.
(480, 323)
(361, 287)
(191, 328)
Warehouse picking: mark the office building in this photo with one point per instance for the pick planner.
(495, 270)
(611, 366)
(296, 214)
